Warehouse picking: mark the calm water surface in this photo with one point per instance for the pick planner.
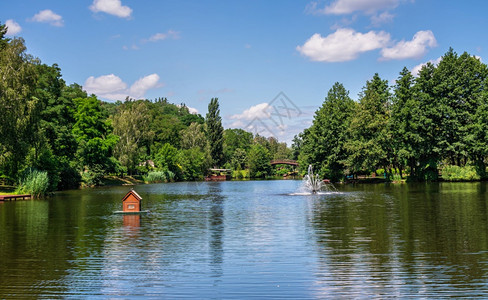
(249, 239)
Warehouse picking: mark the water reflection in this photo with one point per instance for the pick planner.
(249, 240)
(216, 227)
(133, 221)
(409, 240)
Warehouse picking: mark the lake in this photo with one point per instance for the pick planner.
(249, 239)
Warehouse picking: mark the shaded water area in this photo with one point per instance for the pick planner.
(249, 239)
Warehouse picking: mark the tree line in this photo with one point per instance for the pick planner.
(420, 126)
(72, 138)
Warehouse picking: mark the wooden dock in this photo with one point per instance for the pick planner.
(14, 197)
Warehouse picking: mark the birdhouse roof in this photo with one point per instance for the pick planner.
(134, 193)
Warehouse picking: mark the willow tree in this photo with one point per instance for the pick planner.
(19, 107)
(132, 125)
(215, 132)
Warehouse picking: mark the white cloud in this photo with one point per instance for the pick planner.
(415, 48)
(139, 88)
(343, 45)
(415, 70)
(112, 87)
(343, 7)
(112, 7)
(170, 34)
(259, 111)
(378, 10)
(48, 16)
(384, 17)
(12, 27)
(192, 110)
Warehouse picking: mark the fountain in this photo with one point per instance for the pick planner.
(313, 182)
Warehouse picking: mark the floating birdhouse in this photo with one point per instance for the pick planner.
(131, 202)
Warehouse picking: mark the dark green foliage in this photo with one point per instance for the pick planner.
(322, 145)
(3, 40)
(236, 139)
(193, 163)
(72, 137)
(436, 119)
(368, 146)
(167, 159)
(92, 131)
(215, 133)
(259, 161)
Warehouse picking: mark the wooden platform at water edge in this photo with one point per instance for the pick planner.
(14, 197)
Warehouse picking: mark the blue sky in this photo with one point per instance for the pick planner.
(243, 52)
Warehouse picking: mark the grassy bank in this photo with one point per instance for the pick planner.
(126, 180)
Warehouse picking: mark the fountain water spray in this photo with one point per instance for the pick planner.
(312, 182)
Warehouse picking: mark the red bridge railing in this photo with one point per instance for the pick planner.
(284, 162)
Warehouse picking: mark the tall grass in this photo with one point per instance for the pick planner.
(240, 174)
(456, 173)
(34, 182)
(159, 176)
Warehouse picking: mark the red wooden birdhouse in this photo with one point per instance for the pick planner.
(132, 202)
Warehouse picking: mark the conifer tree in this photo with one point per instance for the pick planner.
(215, 132)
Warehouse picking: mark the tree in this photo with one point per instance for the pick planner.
(19, 107)
(3, 40)
(458, 82)
(369, 145)
(193, 137)
(259, 161)
(193, 163)
(236, 139)
(215, 132)
(93, 133)
(404, 122)
(132, 126)
(324, 142)
(239, 159)
(167, 159)
(426, 150)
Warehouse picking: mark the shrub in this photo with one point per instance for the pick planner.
(240, 174)
(94, 176)
(159, 176)
(456, 173)
(153, 177)
(34, 182)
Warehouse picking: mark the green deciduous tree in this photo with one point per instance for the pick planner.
(193, 162)
(236, 139)
(93, 133)
(132, 125)
(193, 137)
(259, 161)
(18, 104)
(167, 159)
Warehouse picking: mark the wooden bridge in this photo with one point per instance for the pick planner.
(14, 197)
(284, 162)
